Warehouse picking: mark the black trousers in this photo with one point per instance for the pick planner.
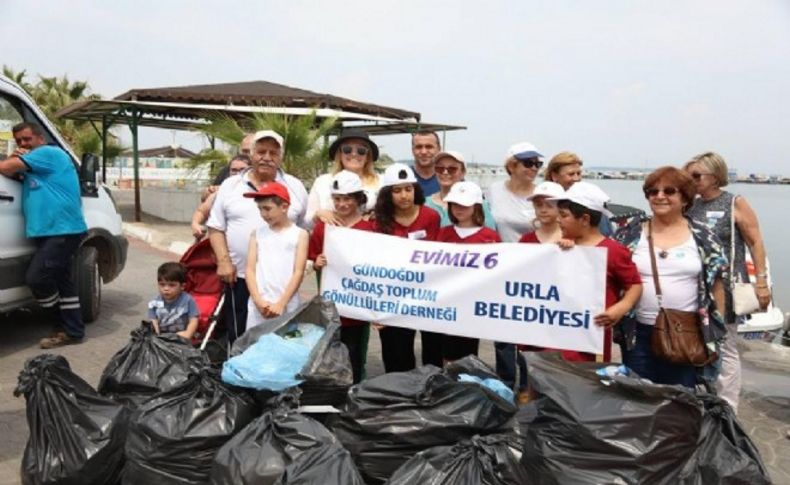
(454, 348)
(235, 312)
(51, 279)
(431, 348)
(397, 349)
(355, 339)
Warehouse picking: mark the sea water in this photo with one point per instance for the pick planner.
(771, 203)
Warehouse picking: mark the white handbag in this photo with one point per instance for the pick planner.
(744, 299)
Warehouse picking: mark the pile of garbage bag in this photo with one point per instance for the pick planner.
(76, 435)
(388, 419)
(490, 460)
(583, 429)
(326, 376)
(149, 364)
(284, 446)
(174, 436)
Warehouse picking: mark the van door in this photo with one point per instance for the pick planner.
(15, 249)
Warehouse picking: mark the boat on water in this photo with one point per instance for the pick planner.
(763, 325)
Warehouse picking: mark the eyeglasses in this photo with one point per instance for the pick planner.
(531, 163)
(349, 149)
(234, 171)
(698, 175)
(668, 191)
(449, 170)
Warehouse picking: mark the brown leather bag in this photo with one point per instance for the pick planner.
(677, 337)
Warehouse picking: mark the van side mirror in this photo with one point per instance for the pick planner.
(88, 169)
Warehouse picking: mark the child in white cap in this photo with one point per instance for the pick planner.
(581, 209)
(349, 199)
(465, 209)
(400, 211)
(547, 215)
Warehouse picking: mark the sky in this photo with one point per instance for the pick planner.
(623, 83)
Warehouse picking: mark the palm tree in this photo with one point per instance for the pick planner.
(304, 157)
(17, 76)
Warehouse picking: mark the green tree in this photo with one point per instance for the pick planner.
(52, 94)
(305, 153)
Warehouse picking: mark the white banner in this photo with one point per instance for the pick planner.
(531, 294)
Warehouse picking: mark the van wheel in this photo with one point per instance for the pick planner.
(88, 283)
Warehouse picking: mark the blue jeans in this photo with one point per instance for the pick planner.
(642, 361)
(506, 358)
(51, 280)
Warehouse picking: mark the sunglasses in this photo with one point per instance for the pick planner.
(531, 163)
(451, 170)
(668, 191)
(349, 149)
(698, 175)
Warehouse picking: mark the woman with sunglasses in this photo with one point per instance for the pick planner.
(514, 215)
(400, 212)
(719, 209)
(690, 265)
(354, 151)
(450, 167)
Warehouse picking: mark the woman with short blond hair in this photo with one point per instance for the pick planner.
(564, 168)
(722, 211)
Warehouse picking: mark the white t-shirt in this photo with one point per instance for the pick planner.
(274, 268)
(678, 274)
(237, 216)
(320, 197)
(464, 232)
(514, 215)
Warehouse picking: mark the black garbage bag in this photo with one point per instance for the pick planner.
(149, 364)
(326, 464)
(327, 374)
(725, 453)
(76, 435)
(624, 430)
(262, 452)
(482, 460)
(174, 436)
(388, 419)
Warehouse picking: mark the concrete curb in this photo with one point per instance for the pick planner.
(155, 239)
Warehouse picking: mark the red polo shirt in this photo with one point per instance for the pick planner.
(484, 235)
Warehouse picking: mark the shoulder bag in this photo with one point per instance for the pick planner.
(744, 299)
(677, 337)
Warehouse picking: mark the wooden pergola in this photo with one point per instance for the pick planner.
(191, 107)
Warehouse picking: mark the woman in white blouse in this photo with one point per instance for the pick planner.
(354, 151)
(514, 216)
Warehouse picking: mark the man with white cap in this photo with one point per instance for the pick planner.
(233, 218)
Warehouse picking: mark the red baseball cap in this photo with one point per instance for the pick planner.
(269, 189)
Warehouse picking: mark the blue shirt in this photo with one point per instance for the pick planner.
(51, 194)
(173, 316)
(429, 186)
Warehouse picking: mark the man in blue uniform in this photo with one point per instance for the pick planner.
(54, 222)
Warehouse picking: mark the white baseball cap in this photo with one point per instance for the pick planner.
(452, 154)
(346, 182)
(260, 135)
(396, 174)
(523, 151)
(589, 195)
(552, 190)
(465, 193)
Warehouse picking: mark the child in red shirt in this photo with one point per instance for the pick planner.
(400, 212)
(349, 199)
(465, 209)
(580, 209)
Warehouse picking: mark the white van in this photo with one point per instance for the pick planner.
(102, 254)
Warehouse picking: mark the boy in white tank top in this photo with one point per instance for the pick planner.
(276, 257)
